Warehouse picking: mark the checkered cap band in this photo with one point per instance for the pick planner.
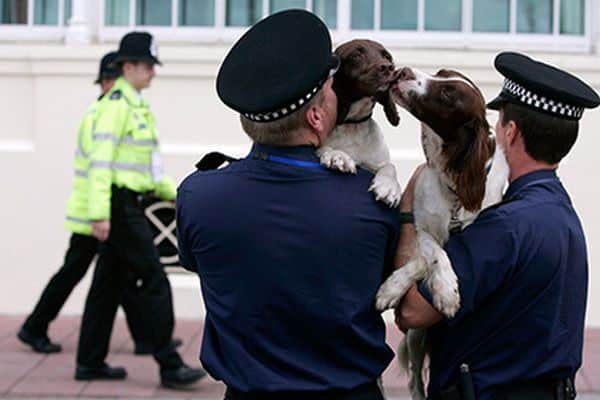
(275, 115)
(526, 96)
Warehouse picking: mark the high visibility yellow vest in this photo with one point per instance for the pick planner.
(124, 151)
(77, 220)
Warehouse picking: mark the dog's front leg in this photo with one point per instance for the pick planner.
(385, 185)
(441, 279)
(392, 290)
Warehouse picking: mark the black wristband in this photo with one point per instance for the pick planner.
(406, 218)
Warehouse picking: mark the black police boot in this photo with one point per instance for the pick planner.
(180, 377)
(39, 343)
(143, 349)
(105, 372)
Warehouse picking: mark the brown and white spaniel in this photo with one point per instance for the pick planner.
(363, 80)
(465, 172)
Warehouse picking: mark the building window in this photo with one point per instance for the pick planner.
(13, 12)
(196, 12)
(243, 12)
(280, 5)
(399, 14)
(572, 14)
(327, 10)
(45, 12)
(443, 15)
(153, 12)
(116, 12)
(362, 13)
(534, 16)
(491, 15)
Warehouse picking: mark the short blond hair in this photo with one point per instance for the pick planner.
(284, 130)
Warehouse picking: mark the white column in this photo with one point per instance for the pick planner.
(78, 30)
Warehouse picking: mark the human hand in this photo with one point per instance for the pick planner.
(101, 229)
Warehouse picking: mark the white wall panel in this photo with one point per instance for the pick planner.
(46, 88)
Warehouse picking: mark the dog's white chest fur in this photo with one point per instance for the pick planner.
(362, 144)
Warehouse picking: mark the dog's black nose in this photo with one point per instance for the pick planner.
(386, 68)
(406, 74)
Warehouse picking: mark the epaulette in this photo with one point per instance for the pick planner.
(213, 161)
(116, 95)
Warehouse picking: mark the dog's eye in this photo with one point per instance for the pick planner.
(386, 55)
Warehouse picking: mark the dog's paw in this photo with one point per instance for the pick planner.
(389, 294)
(337, 159)
(446, 297)
(386, 189)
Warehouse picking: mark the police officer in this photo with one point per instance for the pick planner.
(125, 170)
(289, 254)
(82, 245)
(522, 265)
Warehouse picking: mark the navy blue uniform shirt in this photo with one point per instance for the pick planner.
(290, 258)
(523, 276)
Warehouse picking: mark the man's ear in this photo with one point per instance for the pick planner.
(512, 132)
(314, 118)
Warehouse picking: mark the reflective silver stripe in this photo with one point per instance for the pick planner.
(82, 174)
(100, 164)
(140, 142)
(79, 220)
(105, 136)
(121, 166)
(80, 153)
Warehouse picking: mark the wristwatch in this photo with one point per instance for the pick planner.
(406, 218)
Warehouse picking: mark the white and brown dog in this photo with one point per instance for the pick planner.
(465, 172)
(363, 80)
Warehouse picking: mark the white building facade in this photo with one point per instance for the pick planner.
(49, 52)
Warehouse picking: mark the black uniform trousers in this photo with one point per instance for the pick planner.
(129, 248)
(82, 250)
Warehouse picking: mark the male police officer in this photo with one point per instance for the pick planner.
(289, 254)
(82, 246)
(125, 169)
(522, 265)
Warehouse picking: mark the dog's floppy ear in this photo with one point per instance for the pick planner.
(389, 107)
(343, 102)
(466, 159)
(343, 108)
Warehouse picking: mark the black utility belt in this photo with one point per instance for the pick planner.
(542, 389)
(131, 196)
(367, 391)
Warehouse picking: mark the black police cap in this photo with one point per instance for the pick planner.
(542, 87)
(108, 67)
(277, 66)
(138, 46)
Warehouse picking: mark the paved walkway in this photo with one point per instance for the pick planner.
(24, 374)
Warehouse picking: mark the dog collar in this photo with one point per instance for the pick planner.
(358, 121)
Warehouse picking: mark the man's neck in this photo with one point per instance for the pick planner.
(304, 138)
(526, 167)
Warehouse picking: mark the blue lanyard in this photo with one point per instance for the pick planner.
(287, 161)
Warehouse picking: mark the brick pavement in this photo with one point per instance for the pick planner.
(24, 374)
